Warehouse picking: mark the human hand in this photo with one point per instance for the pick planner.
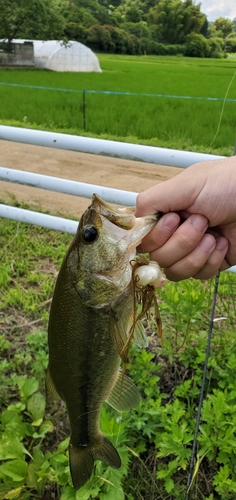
(197, 234)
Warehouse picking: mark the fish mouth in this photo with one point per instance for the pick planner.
(121, 217)
(142, 226)
(124, 218)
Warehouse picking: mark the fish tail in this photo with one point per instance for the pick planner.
(82, 459)
(81, 465)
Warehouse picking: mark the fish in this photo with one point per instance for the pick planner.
(91, 323)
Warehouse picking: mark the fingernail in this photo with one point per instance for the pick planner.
(221, 244)
(207, 242)
(199, 221)
(171, 221)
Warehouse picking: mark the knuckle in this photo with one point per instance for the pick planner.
(187, 242)
(174, 276)
(205, 273)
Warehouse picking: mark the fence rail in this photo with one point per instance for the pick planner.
(86, 92)
(38, 219)
(150, 154)
(182, 158)
(66, 186)
(115, 92)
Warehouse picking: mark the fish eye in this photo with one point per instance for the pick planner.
(89, 233)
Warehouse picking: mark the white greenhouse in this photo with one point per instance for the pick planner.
(59, 56)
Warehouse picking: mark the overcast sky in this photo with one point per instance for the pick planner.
(218, 8)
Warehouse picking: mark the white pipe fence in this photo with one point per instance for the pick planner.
(118, 196)
(39, 219)
(150, 154)
(95, 146)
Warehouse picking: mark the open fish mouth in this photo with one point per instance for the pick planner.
(124, 218)
(121, 217)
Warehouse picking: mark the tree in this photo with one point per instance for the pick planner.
(129, 11)
(194, 21)
(108, 4)
(224, 26)
(75, 31)
(212, 31)
(99, 38)
(30, 19)
(168, 17)
(234, 21)
(216, 47)
(204, 29)
(230, 43)
(176, 19)
(197, 46)
(146, 5)
(133, 14)
(108, 38)
(93, 7)
(139, 30)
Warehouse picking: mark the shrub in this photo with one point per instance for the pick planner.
(140, 30)
(216, 46)
(75, 31)
(108, 38)
(99, 38)
(196, 46)
(230, 44)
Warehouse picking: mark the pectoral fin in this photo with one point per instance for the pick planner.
(140, 337)
(124, 329)
(124, 394)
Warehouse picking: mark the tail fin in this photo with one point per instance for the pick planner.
(81, 465)
(82, 459)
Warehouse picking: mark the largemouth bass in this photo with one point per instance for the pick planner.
(91, 317)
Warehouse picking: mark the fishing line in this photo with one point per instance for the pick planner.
(193, 454)
(198, 418)
(223, 106)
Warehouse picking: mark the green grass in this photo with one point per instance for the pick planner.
(180, 123)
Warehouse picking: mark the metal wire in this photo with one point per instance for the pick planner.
(198, 418)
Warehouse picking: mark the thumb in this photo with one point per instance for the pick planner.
(174, 195)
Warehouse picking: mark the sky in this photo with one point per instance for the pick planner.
(218, 8)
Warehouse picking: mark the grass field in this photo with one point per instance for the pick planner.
(180, 123)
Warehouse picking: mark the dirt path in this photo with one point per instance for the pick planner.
(101, 170)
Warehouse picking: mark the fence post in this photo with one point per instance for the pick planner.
(84, 110)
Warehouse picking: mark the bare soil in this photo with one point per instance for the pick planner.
(112, 172)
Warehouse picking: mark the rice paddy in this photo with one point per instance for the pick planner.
(163, 121)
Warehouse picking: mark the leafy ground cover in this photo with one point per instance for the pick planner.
(155, 439)
(181, 123)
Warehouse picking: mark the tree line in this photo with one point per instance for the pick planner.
(162, 27)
